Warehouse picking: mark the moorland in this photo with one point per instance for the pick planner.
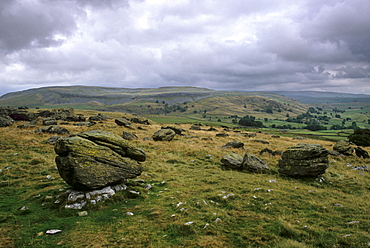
(187, 204)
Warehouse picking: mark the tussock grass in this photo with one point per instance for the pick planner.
(193, 202)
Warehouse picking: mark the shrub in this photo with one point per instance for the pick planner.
(360, 137)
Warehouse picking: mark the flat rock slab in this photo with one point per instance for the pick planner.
(95, 159)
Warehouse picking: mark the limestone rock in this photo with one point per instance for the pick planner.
(178, 130)
(343, 147)
(164, 135)
(140, 120)
(361, 153)
(95, 159)
(6, 121)
(232, 161)
(55, 129)
(129, 136)
(234, 144)
(304, 160)
(122, 122)
(253, 163)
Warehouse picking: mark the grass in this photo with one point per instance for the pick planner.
(260, 210)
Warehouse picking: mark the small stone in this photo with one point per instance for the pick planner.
(129, 213)
(353, 222)
(189, 223)
(53, 231)
(83, 213)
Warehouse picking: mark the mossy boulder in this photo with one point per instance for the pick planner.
(95, 159)
(164, 135)
(304, 160)
(343, 147)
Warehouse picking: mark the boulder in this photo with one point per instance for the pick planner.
(140, 120)
(49, 121)
(22, 115)
(6, 121)
(54, 129)
(249, 163)
(304, 160)
(122, 122)
(234, 144)
(361, 153)
(129, 136)
(96, 159)
(253, 163)
(232, 161)
(178, 130)
(99, 117)
(164, 135)
(343, 147)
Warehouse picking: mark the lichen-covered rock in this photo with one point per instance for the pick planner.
(55, 129)
(6, 121)
(304, 160)
(95, 159)
(129, 136)
(234, 144)
(361, 153)
(164, 135)
(249, 163)
(122, 122)
(232, 161)
(253, 163)
(343, 147)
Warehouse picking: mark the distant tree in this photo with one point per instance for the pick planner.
(360, 137)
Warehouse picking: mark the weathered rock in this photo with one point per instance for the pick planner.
(343, 147)
(95, 159)
(222, 135)
(53, 140)
(271, 152)
(129, 136)
(361, 153)
(54, 129)
(232, 161)
(58, 114)
(234, 144)
(22, 115)
(99, 117)
(6, 121)
(253, 163)
(164, 135)
(195, 127)
(178, 130)
(140, 120)
(122, 122)
(304, 160)
(49, 121)
(261, 141)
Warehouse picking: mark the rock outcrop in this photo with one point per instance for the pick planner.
(304, 160)
(249, 162)
(343, 147)
(95, 159)
(164, 135)
(6, 121)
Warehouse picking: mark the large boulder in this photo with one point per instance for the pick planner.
(95, 159)
(249, 162)
(304, 160)
(164, 135)
(253, 163)
(343, 147)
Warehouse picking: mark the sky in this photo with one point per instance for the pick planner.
(249, 45)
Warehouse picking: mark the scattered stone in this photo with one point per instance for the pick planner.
(99, 117)
(234, 144)
(271, 152)
(6, 121)
(189, 223)
(130, 213)
(343, 147)
(53, 231)
(140, 120)
(95, 159)
(361, 153)
(195, 127)
(262, 141)
(304, 160)
(129, 136)
(49, 121)
(123, 122)
(54, 129)
(82, 213)
(232, 161)
(164, 135)
(177, 130)
(253, 163)
(222, 135)
(53, 140)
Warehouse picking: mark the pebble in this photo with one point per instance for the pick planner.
(53, 231)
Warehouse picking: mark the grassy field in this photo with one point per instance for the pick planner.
(193, 203)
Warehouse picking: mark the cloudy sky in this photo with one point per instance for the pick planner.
(230, 45)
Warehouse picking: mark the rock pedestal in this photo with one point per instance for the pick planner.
(95, 159)
(304, 160)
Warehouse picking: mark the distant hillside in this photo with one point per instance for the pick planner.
(190, 101)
